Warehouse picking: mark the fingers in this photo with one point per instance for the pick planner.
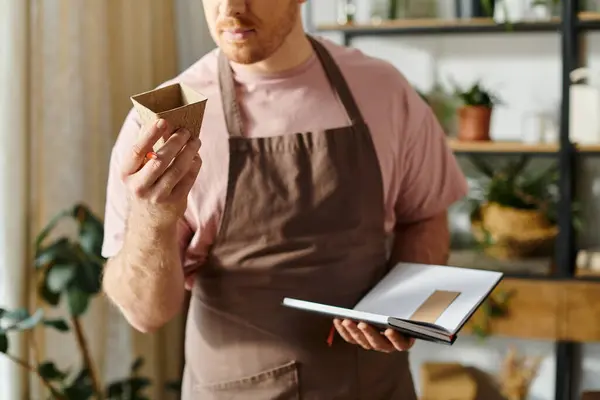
(400, 343)
(155, 168)
(343, 331)
(180, 167)
(185, 184)
(143, 145)
(144, 180)
(375, 338)
(369, 338)
(356, 334)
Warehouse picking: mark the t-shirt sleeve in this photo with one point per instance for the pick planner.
(116, 207)
(430, 177)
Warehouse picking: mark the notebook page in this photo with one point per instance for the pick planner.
(407, 286)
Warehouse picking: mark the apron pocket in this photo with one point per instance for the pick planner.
(279, 383)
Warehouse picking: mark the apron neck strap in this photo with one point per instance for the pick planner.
(233, 117)
(337, 81)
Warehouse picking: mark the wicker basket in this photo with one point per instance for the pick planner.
(514, 233)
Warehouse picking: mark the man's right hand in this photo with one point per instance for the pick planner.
(159, 188)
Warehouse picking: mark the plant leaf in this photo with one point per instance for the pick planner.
(20, 319)
(50, 226)
(89, 277)
(47, 295)
(91, 229)
(79, 391)
(130, 386)
(31, 321)
(174, 386)
(482, 166)
(16, 315)
(137, 364)
(81, 387)
(59, 276)
(3, 342)
(78, 301)
(49, 371)
(58, 324)
(59, 251)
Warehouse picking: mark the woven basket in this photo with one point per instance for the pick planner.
(514, 233)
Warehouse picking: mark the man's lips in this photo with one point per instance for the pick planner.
(237, 34)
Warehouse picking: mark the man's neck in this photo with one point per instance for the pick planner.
(294, 51)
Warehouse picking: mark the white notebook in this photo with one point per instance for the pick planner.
(429, 302)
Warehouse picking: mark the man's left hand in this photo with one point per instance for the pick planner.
(370, 338)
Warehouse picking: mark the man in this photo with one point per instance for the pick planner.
(314, 159)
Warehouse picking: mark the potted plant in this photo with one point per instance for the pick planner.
(475, 112)
(474, 8)
(69, 269)
(442, 105)
(514, 214)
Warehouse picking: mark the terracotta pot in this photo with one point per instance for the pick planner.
(474, 123)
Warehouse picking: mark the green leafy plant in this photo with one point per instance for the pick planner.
(443, 106)
(494, 307)
(521, 202)
(69, 269)
(509, 185)
(488, 7)
(476, 95)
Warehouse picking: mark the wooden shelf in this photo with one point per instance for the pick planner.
(501, 147)
(588, 148)
(587, 21)
(436, 25)
(548, 310)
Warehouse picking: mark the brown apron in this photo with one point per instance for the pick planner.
(304, 218)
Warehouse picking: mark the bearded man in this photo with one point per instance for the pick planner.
(320, 168)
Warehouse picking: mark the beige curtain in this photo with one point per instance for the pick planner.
(13, 176)
(80, 64)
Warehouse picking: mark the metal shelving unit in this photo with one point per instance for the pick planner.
(570, 26)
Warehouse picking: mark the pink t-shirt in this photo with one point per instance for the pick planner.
(420, 174)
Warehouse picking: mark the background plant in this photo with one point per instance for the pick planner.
(496, 306)
(69, 269)
(511, 185)
(476, 95)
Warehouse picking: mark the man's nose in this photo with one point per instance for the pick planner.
(232, 8)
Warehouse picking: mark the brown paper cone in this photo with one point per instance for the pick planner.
(178, 104)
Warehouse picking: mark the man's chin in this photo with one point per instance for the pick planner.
(242, 53)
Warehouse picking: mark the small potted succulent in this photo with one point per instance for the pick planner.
(475, 112)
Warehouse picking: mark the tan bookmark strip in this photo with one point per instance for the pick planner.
(434, 306)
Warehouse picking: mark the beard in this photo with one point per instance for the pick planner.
(266, 37)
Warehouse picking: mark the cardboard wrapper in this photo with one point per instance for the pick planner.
(178, 104)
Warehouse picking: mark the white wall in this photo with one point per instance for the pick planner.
(193, 38)
(525, 69)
